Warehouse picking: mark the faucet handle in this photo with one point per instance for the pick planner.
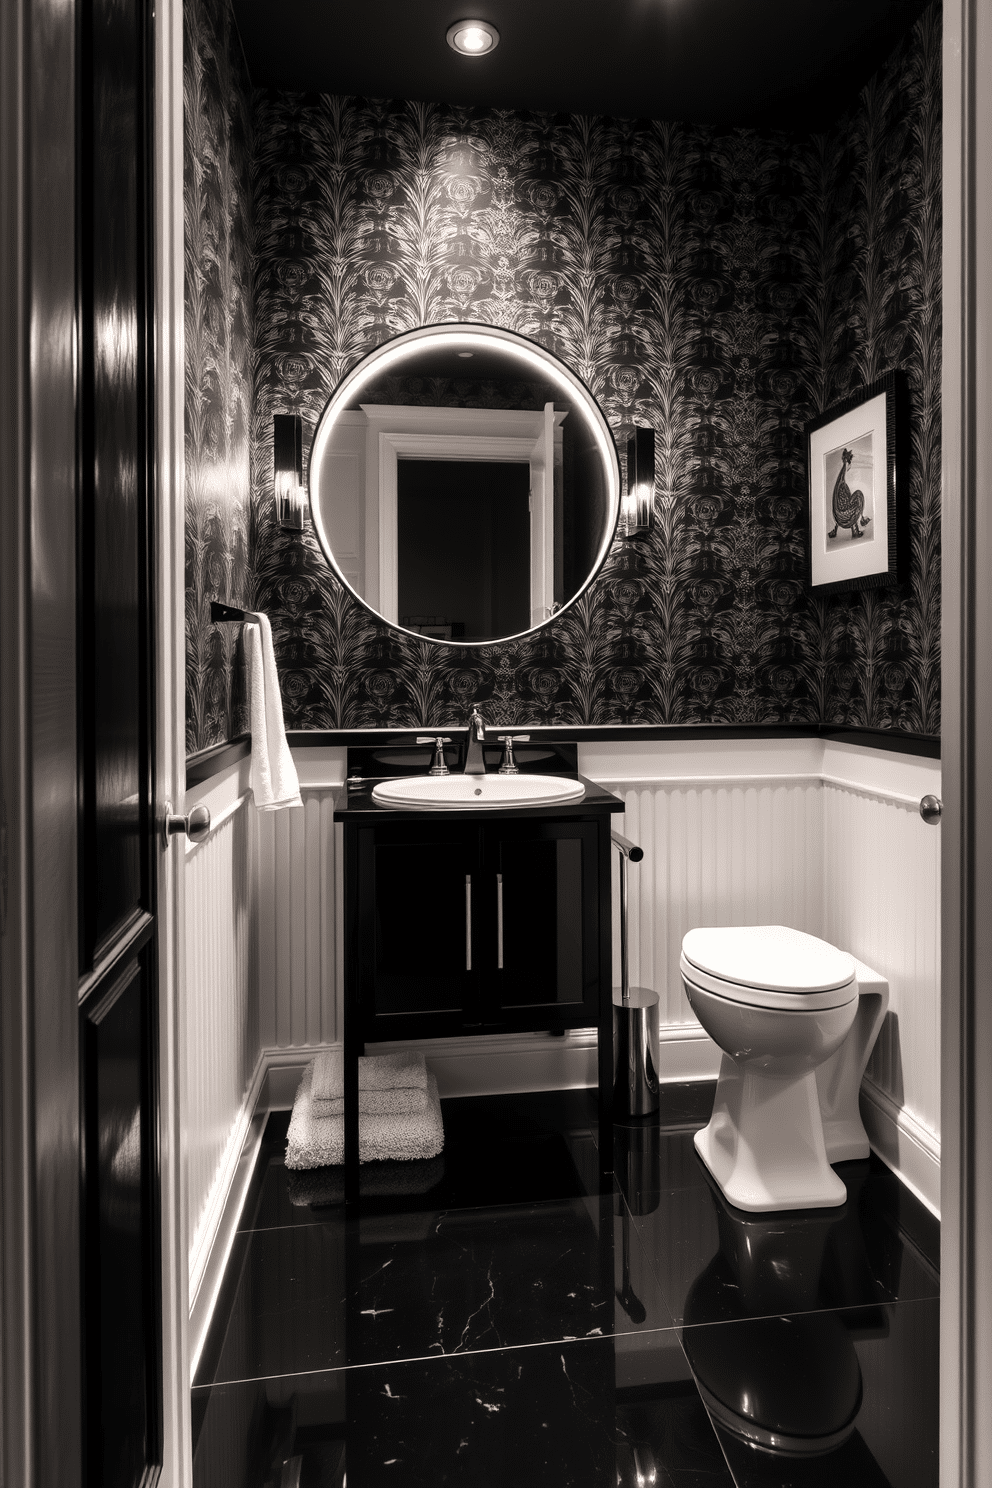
(439, 741)
(509, 765)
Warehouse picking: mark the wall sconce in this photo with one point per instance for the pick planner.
(637, 507)
(287, 468)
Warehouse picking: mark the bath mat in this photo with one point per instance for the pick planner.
(318, 1141)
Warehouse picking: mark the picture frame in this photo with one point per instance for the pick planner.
(855, 469)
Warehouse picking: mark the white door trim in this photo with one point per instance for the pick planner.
(966, 672)
(170, 743)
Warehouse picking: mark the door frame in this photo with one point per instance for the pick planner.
(966, 684)
(168, 553)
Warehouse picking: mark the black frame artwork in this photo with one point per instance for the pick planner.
(849, 436)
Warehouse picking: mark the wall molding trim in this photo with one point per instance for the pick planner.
(757, 782)
(217, 822)
(211, 1244)
(898, 740)
(507, 1063)
(209, 762)
(903, 1144)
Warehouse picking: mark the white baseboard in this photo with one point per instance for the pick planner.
(903, 1144)
(509, 1063)
(218, 1224)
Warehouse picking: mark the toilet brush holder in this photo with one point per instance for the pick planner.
(635, 1019)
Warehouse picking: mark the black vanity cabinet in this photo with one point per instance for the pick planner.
(539, 925)
(412, 953)
(460, 923)
(477, 927)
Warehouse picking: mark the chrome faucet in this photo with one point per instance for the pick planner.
(475, 761)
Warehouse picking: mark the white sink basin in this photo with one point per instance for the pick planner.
(456, 792)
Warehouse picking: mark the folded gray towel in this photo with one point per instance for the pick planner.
(318, 1141)
(375, 1103)
(402, 1071)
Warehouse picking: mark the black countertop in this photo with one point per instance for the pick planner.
(355, 803)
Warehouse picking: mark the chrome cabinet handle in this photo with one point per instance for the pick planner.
(468, 922)
(931, 810)
(196, 825)
(499, 921)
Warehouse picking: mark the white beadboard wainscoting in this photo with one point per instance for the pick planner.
(882, 869)
(222, 1077)
(822, 836)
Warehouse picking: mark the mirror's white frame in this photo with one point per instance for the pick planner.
(467, 337)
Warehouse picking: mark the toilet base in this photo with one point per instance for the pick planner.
(846, 1141)
(764, 1144)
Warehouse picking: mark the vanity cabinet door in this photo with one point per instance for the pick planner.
(539, 925)
(417, 960)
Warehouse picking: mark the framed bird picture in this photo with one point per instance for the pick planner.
(857, 490)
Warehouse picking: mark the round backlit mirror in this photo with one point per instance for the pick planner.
(464, 483)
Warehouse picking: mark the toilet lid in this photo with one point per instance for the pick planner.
(772, 958)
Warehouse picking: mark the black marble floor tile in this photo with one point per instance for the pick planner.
(649, 1160)
(562, 1414)
(717, 1263)
(411, 1283)
(496, 1318)
(824, 1399)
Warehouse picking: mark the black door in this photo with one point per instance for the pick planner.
(118, 1003)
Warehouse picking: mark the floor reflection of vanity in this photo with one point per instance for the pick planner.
(466, 922)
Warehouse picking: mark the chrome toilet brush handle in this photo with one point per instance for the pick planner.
(627, 849)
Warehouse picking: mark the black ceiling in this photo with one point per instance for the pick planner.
(786, 63)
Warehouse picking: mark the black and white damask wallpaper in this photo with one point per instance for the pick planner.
(720, 286)
(879, 229)
(219, 366)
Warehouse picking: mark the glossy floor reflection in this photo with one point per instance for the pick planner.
(493, 1317)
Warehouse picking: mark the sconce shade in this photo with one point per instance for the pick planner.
(637, 508)
(287, 469)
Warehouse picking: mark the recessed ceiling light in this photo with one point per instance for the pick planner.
(473, 38)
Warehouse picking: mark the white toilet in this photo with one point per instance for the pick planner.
(796, 1019)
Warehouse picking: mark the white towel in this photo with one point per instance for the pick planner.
(273, 779)
(378, 1074)
(318, 1141)
(375, 1103)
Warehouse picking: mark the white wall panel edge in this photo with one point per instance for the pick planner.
(912, 774)
(220, 790)
(903, 1144)
(658, 759)
(230, 1182)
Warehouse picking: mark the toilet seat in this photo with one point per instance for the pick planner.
(770, 966)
